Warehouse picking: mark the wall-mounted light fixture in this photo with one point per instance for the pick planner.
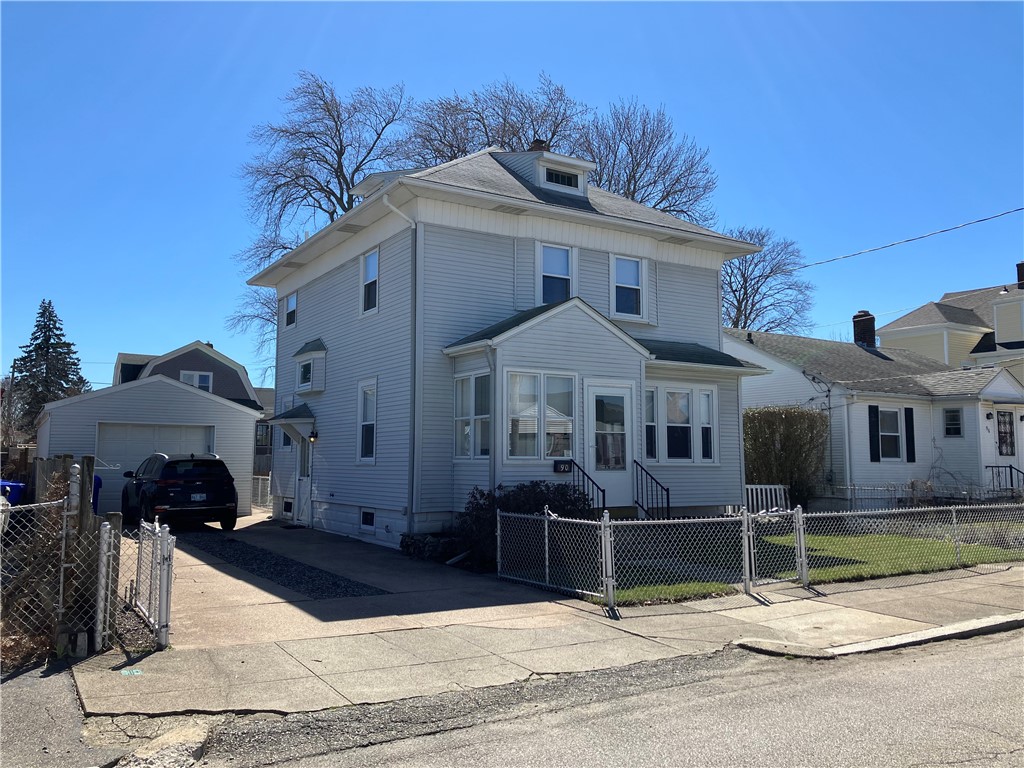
(313, 436)
(989, 416)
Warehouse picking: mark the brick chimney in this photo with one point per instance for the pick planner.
(1020, 275)
(864, 329)
(539, 145)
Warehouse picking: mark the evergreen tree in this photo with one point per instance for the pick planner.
(48, 368)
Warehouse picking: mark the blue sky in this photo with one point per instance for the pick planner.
(841, 126)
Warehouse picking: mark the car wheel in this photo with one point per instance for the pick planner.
(128, 517)
(227, 523)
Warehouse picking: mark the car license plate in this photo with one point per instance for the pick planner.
(198, 497)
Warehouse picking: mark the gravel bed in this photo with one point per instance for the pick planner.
(314, 583)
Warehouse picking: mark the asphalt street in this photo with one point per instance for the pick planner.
(956, 702)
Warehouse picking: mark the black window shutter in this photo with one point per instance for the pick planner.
(908, 420)
(876, 453)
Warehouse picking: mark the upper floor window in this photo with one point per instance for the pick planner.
(369, 280)
(473, 416)
(627, 286)
(290, 304)
(304, 379)
(562, 178)
(368, 420)
(199, 379)
(556, 271)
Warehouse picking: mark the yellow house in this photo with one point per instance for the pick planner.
(983, 326)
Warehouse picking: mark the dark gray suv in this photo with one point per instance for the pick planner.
(193, 487)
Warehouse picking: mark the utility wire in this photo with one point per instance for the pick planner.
(908, 240)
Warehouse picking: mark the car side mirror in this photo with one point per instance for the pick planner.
(129, 473)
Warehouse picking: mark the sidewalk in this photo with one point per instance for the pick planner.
(380, 648)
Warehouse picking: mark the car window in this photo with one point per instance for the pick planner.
(195, 468)
(141, 471)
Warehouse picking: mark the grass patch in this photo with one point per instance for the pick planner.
(652, 594)
(872, 556)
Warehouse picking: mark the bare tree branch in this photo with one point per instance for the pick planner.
(639, 157)
(760, 292)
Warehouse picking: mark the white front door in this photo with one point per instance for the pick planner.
(610, 442)
(301, 512)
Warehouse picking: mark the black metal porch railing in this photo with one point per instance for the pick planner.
(1005, 477)
(587, 484)
(651, 497)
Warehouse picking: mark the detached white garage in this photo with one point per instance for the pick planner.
(123, 424)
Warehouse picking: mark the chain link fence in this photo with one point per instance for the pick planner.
(68, 582)
(630, 562)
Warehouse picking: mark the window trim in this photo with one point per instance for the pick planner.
(959, 424)
(614, 285)
(473, 418)
(182, 374)
(539, 457)
(363, 283)
(573, 270)
(694, 390)
(293, 299)
(364, 386)
(653, 391)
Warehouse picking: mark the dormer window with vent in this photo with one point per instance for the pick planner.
(562, 178)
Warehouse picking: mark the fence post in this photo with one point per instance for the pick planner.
(956, 539)
(102, 593)
(801, 547)
(607, 562)
(164, 610)
(747, 554)
(497, 514)
(547, 546)
(75, 489)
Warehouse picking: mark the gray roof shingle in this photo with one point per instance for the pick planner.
(972, 307)
(878, 371)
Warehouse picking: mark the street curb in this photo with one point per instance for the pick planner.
(963, 629)
(179, 748)
(960, 630)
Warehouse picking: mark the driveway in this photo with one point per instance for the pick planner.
(268, 582)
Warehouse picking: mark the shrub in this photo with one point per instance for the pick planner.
(476, 525)
(785, 445)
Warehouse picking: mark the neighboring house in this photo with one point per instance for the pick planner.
(895, 415)
(495, 320)
(264, 433)
(191, 400)
(975, 327)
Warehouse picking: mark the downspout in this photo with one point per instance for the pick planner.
(491, 468)
(412, 497)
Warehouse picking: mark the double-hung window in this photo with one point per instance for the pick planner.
(198, 379)
(541, 415)
(953, 421)
(473, 416)
(556, 270)
(290, 305)
(368, 420)
(889, 440)
(627, 287)
(681, 424)
(369, 268)
(304, 377)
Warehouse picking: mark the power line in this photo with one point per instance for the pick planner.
(908, 240)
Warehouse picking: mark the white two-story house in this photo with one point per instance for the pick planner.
(496, 320)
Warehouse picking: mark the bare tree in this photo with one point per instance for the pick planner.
(639, 156)
(762, 292)
(500, 114)
(302, 176)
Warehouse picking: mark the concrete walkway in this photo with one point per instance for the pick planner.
(242, 643)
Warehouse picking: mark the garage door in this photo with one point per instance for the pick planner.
(128, 445)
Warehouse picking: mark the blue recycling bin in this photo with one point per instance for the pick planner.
(13, 491)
